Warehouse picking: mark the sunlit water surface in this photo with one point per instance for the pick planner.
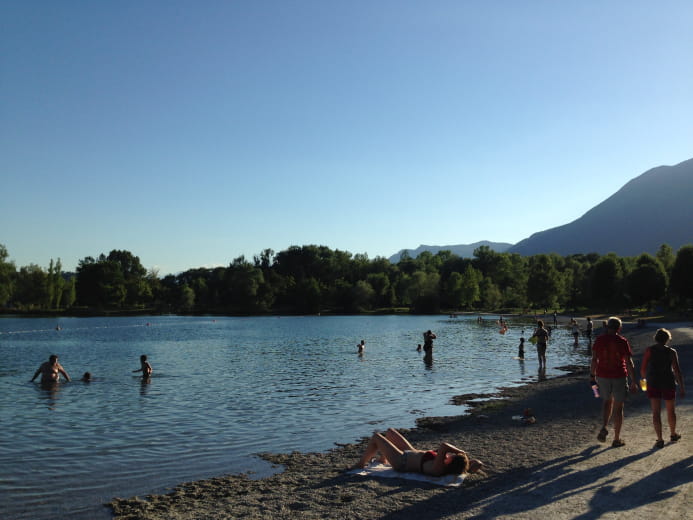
(222, 390)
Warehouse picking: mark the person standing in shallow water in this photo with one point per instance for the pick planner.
(145, 367)
(589, 330)
(660, 367)
(50, 371)
(521, 349)
(428, 341)
(542, 336)
(428, 346)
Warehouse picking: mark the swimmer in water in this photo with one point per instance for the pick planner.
(145, 367)
(50, 371)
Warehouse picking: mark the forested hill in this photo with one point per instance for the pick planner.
(653, 209)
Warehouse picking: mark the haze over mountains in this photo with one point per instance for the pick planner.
(654, 208)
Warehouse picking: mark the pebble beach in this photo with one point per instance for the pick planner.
(554, 468)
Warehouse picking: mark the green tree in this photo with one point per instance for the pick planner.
(607, 282)
(382, 290)
(308, 296)
(57, 284)
(544, 284)
(133, 275)
(647, 282)
(31, 289)
(423, 291)
(491, 296)
(243, 282)
(682, 274)
(452, 291)
(462, 290)
(666, 257)
(7, 274)
(69, 293)
(187, 298)
(363, 296)
(100, 283)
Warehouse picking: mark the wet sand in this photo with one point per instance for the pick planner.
(554, 468)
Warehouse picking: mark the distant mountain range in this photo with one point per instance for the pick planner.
(463, 250)
(654, 208)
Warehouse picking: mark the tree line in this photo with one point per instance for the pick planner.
(316, 279)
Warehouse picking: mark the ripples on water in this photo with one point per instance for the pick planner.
(222, 390)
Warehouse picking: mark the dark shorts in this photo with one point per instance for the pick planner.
(656, 393)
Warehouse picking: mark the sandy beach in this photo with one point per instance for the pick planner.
(554, 468)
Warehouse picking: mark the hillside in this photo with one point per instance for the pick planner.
(462, 250)
(653, 209)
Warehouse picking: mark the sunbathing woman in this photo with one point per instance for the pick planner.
(395, 450)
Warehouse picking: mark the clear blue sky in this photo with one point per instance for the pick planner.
(190, 133)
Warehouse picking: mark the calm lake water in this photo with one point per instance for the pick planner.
(222, 390)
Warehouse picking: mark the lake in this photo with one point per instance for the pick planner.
(224, 389)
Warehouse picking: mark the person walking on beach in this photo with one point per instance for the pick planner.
(50, 372)
(145, 367)
(542, 336)
(660, 368)
(612, 364)
(397, 451)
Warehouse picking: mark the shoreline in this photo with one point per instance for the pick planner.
(314, 485)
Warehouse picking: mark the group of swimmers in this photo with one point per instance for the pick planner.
(51, 371)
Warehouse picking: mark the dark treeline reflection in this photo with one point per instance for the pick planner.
(312, 279)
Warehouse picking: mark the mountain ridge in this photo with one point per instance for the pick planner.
(652, 209)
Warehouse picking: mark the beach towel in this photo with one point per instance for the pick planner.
(377, 469)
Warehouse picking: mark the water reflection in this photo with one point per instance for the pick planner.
(49, 391)
(144, 385)
(541, 374)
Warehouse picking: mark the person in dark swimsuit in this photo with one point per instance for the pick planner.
(660, 367)
(542, 336)
(396, 450)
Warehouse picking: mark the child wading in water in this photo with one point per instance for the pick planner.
(521, 351)
(145, 367)
(660, 367)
